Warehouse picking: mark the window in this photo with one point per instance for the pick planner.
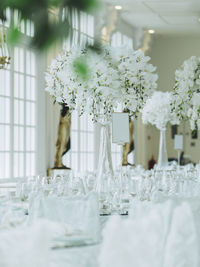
(18, 120)
(82, 26)
(119, 39)
(81, 156)
(86, 28)
(24, 113)
(5, 124)
(82, 137)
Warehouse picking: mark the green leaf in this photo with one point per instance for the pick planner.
(13, 36)
(81, 68)
(85, 5)
(47, 34)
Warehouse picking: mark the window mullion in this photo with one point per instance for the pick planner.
(12, 114)
(25, 111)
(79, 27)
(86, 124)
(70, 22)
(79, 144)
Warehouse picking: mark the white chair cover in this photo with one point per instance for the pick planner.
(79, 213)
(158, 235)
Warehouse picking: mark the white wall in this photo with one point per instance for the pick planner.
(168, 53)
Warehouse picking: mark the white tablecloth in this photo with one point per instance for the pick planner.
(85, 256)
(75, 257)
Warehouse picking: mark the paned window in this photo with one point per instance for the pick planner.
(18, 96)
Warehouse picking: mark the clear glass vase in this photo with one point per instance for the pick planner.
(105, 167)
(162, 157)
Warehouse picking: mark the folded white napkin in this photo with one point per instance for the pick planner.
(25, 246)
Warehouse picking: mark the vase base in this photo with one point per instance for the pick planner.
(106, 213)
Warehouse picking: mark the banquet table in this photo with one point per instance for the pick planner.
(179, 218)
(168, 214)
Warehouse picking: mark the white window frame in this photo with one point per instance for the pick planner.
(40, 128)
(119, 39)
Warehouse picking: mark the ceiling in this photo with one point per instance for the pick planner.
(164, 16)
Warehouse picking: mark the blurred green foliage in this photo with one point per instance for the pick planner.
(47, 31)
(81, 67)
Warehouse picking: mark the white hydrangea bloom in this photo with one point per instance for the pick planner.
(157, 110)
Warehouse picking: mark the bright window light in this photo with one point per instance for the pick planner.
(151, 31)
(118, 7)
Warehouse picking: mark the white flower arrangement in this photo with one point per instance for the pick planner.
(116, 76)
(137, 78)
(157, 110)
(186, 92)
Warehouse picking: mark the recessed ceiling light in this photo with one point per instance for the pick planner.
(151, 31)
(118, 7)
(198, 19)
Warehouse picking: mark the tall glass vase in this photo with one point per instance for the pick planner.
(105, 167)
(162, 157)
